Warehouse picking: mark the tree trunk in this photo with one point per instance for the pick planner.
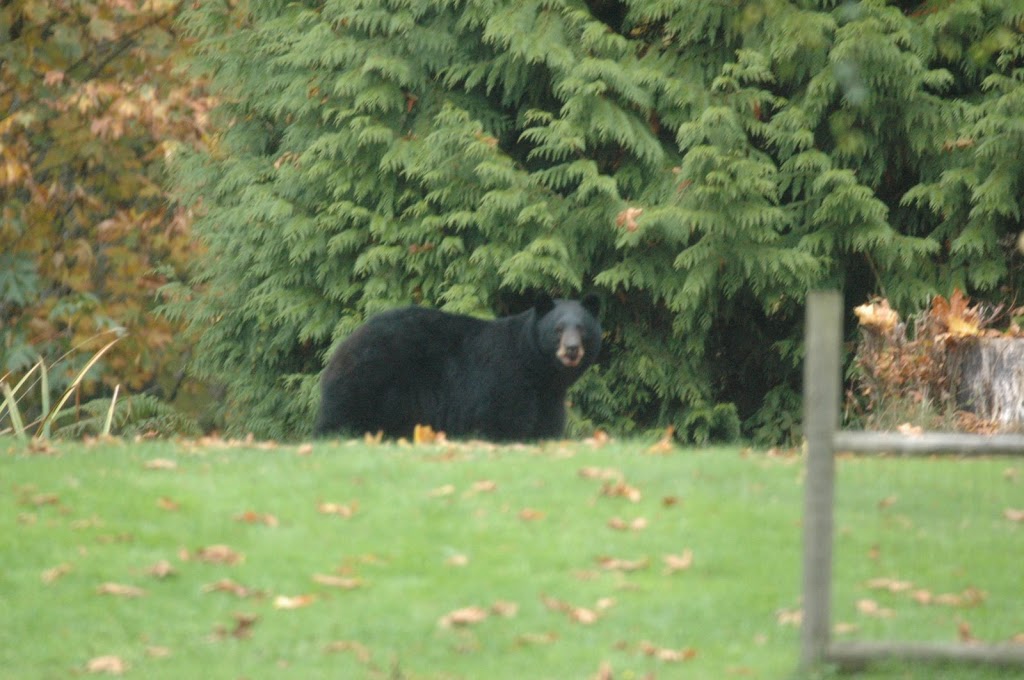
(988, 375)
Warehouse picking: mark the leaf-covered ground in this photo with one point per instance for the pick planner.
(600, 560)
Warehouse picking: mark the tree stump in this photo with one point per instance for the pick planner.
(988, 375)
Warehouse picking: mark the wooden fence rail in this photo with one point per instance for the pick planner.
(822, 394)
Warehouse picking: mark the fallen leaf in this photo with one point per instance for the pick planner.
(161, 569)
(666, 654)
(580, 615)
(243, 627)
(484, 486)
(1014, 515)
(226, 585)
(458, 560)
(666, 444)
(599, 439)
(219, 554)
(340, 509)
(531, 514)
(537, 638)
(627, 218)
(886, 502)
(42, 499)
(463, 617)
(304, 450)
(604, 672)
(681, 562)
(293, 601)
(424, 434)
(120, 590)
(342, 582)
(446, 490)
(161, 464)
(252, 517)
(168, 504)
(616, 564)
(845, 628)
(963, 630)
(600, 473)
(114, 665)
(890, 584)
(909, 430)
(504, 609)
(361, 651)
(623, 490)
(157, 652)
(789, 617)
(873, 609)
(50, 575)
(619, 524)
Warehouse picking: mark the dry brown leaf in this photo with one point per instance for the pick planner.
(161, 464)
(441, 491)
(226, 585)
(580, 615)
(50, 575)
(342, 582)
(463, 617)
(457, 560)
(119, 590)
(361, 651)
(616, 564)
(667, 442)
(604, 672)
(666, 654)
(244, 624)
(537, 638)
(293, 601)
(627, 219)
(910, 430)
(158, 652)
(877, 316)
(531, 514)
(484, 486)
(504, 609)
(304, 449)
(887, 502)
(874, 610)
(424, 434)
(599, 439)
(341, 509)
(600, 473)
(789, 617)
(168, 504)
(622, 490)
(161, 569)
(1014, 514)
(845, 628)
(681, 562)
(636, 524)
(219, 554)
(253, 517)
(113, 665)
(890, 584)
(963, 630)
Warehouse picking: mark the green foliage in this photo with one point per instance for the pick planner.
(702, 165)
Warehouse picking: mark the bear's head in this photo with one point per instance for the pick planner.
(569, 331)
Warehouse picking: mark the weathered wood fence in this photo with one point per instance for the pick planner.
(822, 395)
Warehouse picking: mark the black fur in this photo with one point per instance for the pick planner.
(500, 380)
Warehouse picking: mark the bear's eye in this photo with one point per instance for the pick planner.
(559, 328)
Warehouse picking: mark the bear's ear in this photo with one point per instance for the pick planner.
(592, 304)
(543, 304)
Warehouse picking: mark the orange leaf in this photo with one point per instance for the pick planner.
(219, 554)
(120, 590)
(338, 581)
(293, 601)
(674, 563)
(114, 665)
(463, 617)
(342, 510)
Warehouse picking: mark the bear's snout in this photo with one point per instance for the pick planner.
(570, 354)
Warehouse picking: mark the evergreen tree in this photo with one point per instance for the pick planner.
(701, 165)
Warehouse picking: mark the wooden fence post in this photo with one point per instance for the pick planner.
(822, 393)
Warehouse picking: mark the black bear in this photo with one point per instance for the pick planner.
(500, 380)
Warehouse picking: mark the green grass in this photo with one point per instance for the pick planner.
(102, 516)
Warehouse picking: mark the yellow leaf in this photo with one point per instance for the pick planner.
(293, 601)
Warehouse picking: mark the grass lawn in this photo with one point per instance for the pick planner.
(184, 560)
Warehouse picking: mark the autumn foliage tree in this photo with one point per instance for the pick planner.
(701, 165)
(91, 106)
